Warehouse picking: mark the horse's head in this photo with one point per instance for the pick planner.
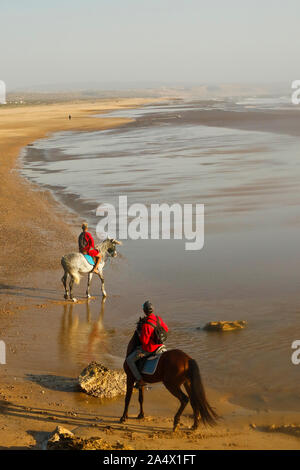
(112, 247)
(109, 246)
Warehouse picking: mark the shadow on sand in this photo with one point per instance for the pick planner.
(55, 382)
(27, 292)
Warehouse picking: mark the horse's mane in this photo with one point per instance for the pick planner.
(133, 343)
(103, 246)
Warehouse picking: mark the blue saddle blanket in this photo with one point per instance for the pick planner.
(89, 259)
(152, 361)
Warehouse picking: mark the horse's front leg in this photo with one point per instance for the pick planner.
(102, 283)
(141, 401)
(129, 388)
(90, 275)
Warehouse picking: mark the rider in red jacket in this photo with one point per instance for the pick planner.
(146, 336)
(87, 246)
(148, 345)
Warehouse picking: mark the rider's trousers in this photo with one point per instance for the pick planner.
(132, 358)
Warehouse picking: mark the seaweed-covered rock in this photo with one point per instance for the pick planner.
(101, 382)
(225, 325)
(63, 439)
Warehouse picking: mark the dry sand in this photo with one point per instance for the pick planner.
(32, 405)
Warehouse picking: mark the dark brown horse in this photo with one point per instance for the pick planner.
(175, 368)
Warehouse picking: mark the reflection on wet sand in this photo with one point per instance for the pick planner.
(82, 338)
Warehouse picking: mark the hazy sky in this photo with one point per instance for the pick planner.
(61, 41)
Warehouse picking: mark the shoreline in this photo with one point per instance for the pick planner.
(21, 128)
(35, 217)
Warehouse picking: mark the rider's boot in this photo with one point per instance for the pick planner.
(140, 383)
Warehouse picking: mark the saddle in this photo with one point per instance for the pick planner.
(147, 365)
(90, 259)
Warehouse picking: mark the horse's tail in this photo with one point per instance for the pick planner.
(74, 274)
(208, 415)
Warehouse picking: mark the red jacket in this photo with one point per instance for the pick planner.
(88, 242)
(147, 334)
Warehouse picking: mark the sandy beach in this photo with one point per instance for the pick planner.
(34, 402)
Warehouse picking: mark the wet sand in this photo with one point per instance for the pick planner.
(33, 400)
(279, 121)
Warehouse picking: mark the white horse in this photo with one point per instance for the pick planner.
(75, 265)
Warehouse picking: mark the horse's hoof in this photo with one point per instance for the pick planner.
(141, 416)
(66, 297)
(74, 299)
(123, 419)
